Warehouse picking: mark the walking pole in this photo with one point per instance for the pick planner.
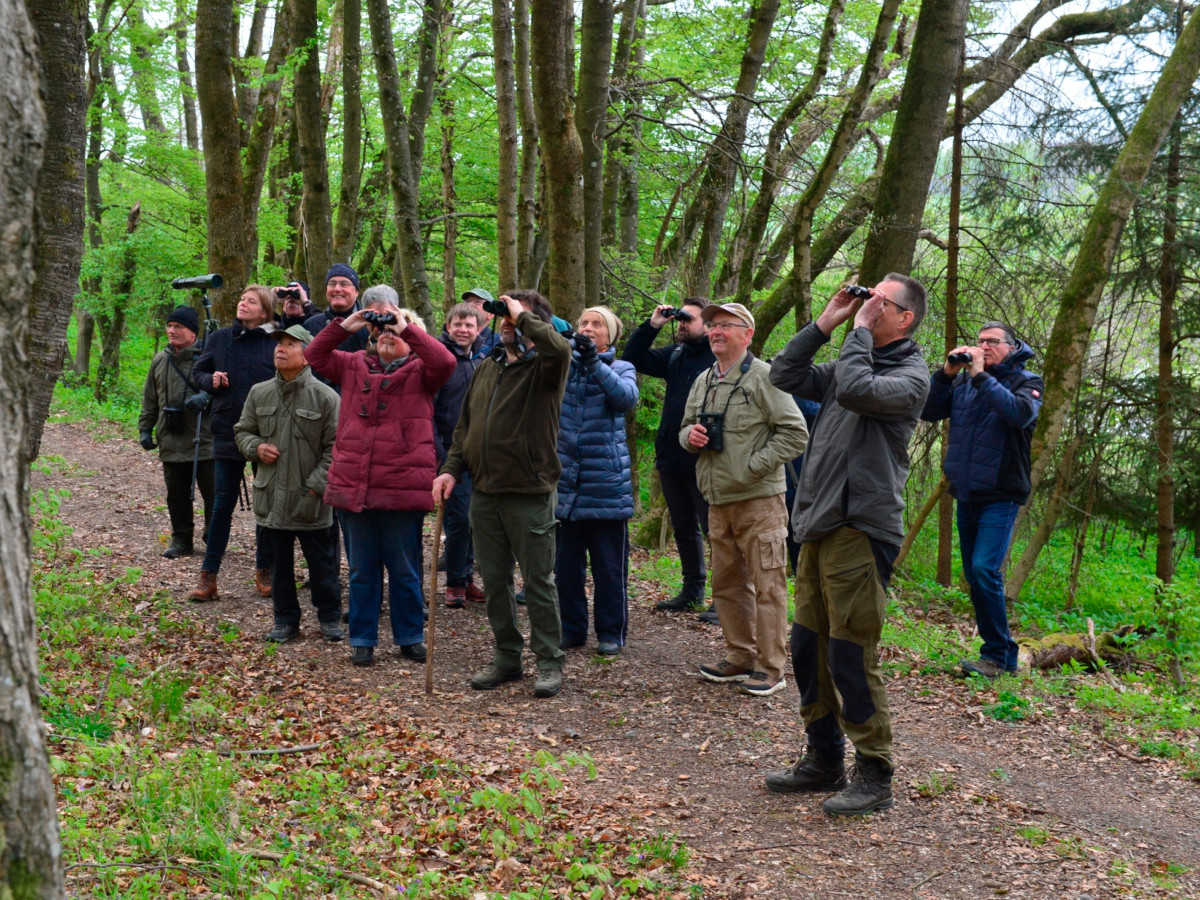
(433, 586)
(196, 456)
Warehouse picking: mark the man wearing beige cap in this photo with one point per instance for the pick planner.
(744, 430)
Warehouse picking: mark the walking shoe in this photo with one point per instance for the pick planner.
(494, 676)
(455, 597)
(416, 652)
(983, 667)
(678, 603)
(475, 593)
(814, 772)
(608, 648)
(332, 631)
(521, 597)
(282, 633)
(177, 549)
(760, 684)
(362, 656)
(262, 581)
(725, 671)
(709, 616)
(207, 589)
(570, 643)
(549, 681)
(870, 789)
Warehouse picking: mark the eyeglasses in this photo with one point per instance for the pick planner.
(723, 326)
(897, 305)
(991, 342)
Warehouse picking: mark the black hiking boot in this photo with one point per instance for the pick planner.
(870, 789)
(679, 603)
(814, 772)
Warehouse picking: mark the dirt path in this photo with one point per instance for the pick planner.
(975, 796)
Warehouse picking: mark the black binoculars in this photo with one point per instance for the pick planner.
(674, 312)
(495, 307)
(378, 319)
(714, 427)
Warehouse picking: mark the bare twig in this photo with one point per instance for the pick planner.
(928, 878)
(272, 856)
(273, 751)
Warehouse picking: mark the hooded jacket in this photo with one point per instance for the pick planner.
(300, 418)
(507, 431)
(679, 364)
(992, 419)
(384, 458)
(596, 480)
(247, 356)
(168, 384)
(857, 461)
(448, 403)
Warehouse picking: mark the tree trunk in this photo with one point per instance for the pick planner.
(30, 853)
(187, 90)
(142, 66)
(246, 67)
(552, 82)
(706, 213)
(1072, 330)
(1164, 413)
(317, 236)
(111, 323)
(591, 109)
(449, 195)
(916, 135)
(410, 254)
(227, 245)
(508, 150)
(333, 59)
(347, 217)
(918, 523)
(530, 245)
(425, 90)
(617, 146)
(1024, 567)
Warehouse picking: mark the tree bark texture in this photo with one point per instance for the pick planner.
(616, 146)
(917, 133)
(1077, 311)
(142, 66)
(552, 81)
(111, 323)
(191, 125)
(61, 27)
(425, 90)
(30, 853)
(591, 109)
(347, 216)
(507, 156)
(317, 235)
(530, 241)
(449, 193)
(1164, 400)
(410, 253)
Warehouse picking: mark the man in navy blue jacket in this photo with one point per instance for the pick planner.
(679, 364)
(992, 404)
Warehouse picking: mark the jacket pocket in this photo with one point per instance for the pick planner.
(310, 424)
(262, 490)
(772, 548)
(307, 507)
(268, 417)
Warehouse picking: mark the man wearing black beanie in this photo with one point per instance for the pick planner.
(171, 401)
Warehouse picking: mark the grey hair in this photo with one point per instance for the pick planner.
(1009, 335)
(383, 294)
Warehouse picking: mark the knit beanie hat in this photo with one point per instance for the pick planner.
(344, 271)
(610, 319)
(187, 317)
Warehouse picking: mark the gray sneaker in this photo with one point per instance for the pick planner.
(549, 682)
(332, 631)
(983, 667)
(494, 676)
(281, 634)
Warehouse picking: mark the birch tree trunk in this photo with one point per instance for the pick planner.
(30, 853)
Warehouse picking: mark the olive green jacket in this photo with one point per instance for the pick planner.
(300, 418)
(763, 430)
(169, 385)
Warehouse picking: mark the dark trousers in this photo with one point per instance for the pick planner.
(460, 555)
(984, 531)
(385, 539)
(606, 543)
(321, 553)
(227, 484)
(689, 519)
(178, 478)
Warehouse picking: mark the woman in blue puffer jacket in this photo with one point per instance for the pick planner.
(595, 491)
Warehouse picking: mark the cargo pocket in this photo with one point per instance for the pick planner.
(262, 491)
(772, 548)
(307, 507)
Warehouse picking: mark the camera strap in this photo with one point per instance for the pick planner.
(713, 384)
(191, 385)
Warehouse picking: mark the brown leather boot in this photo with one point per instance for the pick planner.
(262, 581)
(207, 589)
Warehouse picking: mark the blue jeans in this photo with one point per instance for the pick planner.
(460, 555)
(227, 484)
(983, 535)
(385, 539)
(606, 543)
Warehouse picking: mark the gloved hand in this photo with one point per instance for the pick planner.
(587, 349)
(197, 403)
(147, 441)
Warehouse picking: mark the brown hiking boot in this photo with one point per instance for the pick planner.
(206, 589)
(262, 581)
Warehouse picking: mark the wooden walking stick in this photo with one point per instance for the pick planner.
(433, 604)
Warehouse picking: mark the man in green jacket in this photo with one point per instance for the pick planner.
(287, 426)
(171, 403)
(744, 430)
(507, 438)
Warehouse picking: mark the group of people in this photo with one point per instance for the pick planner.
(519, 433)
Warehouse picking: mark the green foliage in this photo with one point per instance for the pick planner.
(1009, 707)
